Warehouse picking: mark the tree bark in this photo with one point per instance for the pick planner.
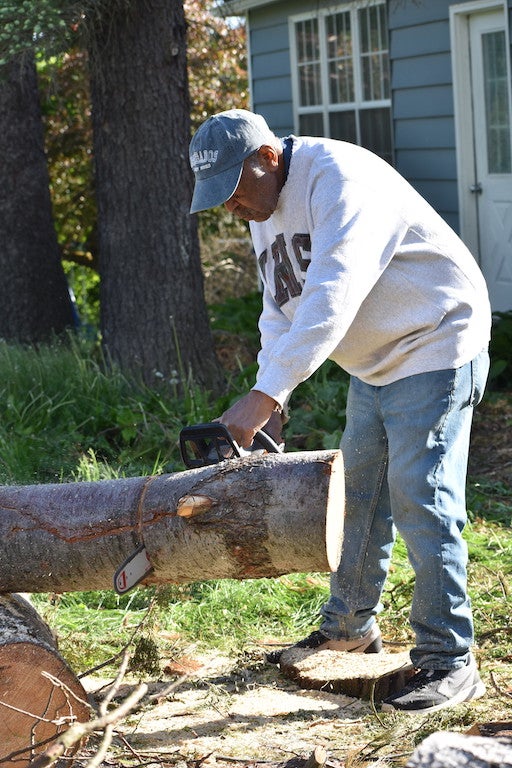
(39, 694)
(458, 751)
(154, 320)
(246, 518)
(35, 297)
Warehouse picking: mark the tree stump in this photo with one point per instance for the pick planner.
(39, 694)
(361, 675)
(260, 516)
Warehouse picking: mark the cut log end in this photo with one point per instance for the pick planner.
(363, 676)
(35, 707)
(335, 512)
(40, 696)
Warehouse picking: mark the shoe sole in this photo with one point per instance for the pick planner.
(475, 691)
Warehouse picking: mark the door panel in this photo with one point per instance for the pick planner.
(490, 85)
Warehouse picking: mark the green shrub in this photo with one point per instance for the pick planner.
(500, 375)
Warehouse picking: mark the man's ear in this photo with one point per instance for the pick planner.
(269, 158)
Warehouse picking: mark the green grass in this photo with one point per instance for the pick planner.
(65, 417)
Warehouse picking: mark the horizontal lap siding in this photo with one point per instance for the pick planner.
(422, 99)
(271, 93)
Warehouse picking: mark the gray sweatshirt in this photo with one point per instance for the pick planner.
(359, 268)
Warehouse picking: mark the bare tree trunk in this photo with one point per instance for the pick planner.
(35, 298)
(246, 518)
(153, 313)
(39, 694)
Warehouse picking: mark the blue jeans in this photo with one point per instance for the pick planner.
(405, 449)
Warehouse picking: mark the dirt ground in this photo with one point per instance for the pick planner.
(243, 711)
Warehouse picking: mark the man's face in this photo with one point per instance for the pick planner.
(257, 193)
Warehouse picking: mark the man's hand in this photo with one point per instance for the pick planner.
(274, 427)
(249, 415)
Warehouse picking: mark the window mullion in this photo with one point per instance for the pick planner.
(324, 71)
(356, 53)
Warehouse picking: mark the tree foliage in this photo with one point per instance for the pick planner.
(216, 61)
(25, 25)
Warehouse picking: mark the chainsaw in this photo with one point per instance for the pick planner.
(201, 445)
(205, 444)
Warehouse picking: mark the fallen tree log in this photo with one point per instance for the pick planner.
(261, 516)
(40, 697)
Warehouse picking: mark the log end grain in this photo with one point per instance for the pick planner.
(335, 511)
(33, 708)
(40, 696)
(363, 676)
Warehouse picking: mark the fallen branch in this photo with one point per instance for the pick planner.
(79, 731)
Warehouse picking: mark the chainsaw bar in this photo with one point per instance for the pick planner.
(135, 568)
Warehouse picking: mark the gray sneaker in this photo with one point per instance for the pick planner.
(369, 643)
(433, 689)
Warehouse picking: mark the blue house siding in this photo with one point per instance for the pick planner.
(422, 98)
(269, 51)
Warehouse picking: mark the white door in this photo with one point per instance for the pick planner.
(485, 154)
(493, 152)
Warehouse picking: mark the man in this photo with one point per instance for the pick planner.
(358, 268)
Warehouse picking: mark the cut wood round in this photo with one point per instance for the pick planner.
(39, 694)
(261, 516)
(361, 675)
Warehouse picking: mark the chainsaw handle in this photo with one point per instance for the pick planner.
(265, 441)
(205, 444)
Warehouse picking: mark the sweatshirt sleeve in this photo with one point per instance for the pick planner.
(354, 234)
(272, 325)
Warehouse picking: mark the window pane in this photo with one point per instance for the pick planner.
(341, 82)
(310, 91)
(374, 53)
(308, 48)
(375, 127)
(311, 125)
(497, 102)
(339, 52)
(342, 125)
(308, 55)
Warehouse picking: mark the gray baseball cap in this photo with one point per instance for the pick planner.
(217, 153)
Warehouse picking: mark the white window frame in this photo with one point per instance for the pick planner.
(325, 108)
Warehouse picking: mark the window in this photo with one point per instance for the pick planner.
(341, 75)
(494, 50)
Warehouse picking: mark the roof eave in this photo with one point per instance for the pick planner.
(239, 7)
